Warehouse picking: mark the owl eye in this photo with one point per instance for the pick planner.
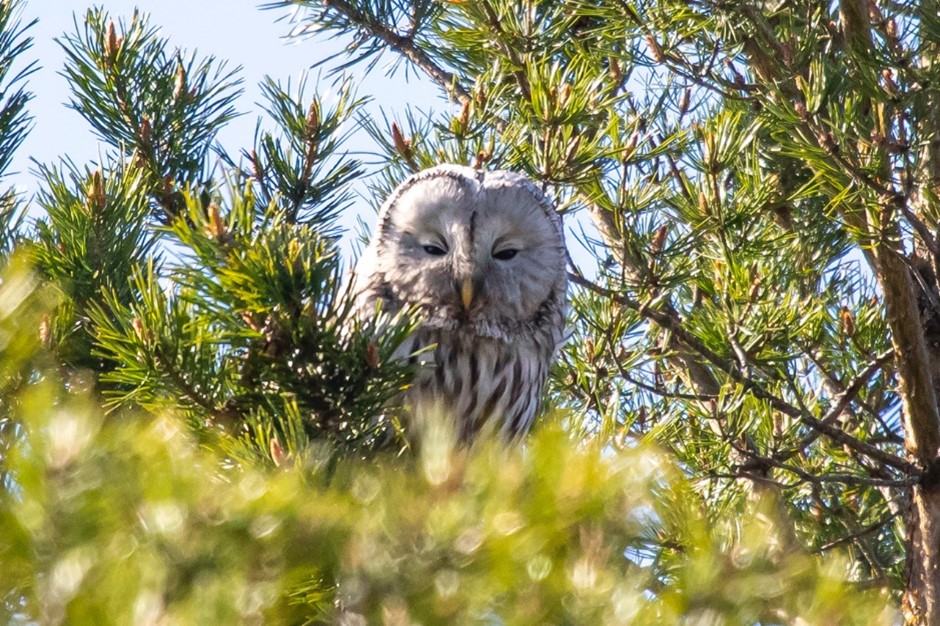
(434, 250)
(505, 255)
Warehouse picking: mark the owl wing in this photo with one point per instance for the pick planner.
(367, 286)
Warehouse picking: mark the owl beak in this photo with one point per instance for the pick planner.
(466, 293)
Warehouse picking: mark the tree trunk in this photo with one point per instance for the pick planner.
(920, 602)
(921, 433)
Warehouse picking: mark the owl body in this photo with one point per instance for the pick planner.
(480, 256)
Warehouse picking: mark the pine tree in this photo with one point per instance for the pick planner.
(742, 426)
(762, 180)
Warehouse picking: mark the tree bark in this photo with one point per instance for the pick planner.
(919, 604)
(921, 601)
(922, 592)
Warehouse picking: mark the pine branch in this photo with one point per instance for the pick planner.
(500, 39)
(303, 167)
(159, 108)
(15, 122)
(402, 44)
(848, 396)
(837, 389)
(864, 531)
(667, 322)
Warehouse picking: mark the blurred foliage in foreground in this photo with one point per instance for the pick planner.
(127, 519)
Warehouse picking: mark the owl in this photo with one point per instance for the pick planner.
(480, 258)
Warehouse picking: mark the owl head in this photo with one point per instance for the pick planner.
(468, 247)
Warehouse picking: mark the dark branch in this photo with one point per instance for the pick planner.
(671, 324)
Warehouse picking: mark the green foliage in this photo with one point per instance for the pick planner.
(14, 120)
(22, 303)
(309, 176)
(160, 108)
(129, 520)
(95, 236)
(734, 163)
(195, 428)
(257, 321)
(220, 299)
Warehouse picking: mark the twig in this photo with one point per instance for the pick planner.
(404, 45)
(764, 462)
(858, 534)
(918, 224)
(890, 436)
(701, 397)
(519, 70)
(672, 324)
(849, 395)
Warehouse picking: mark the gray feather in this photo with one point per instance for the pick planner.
(452, 232)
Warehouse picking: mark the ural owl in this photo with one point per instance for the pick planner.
(481, 257)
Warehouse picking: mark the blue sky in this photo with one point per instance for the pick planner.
(239, 32)
(236, 31)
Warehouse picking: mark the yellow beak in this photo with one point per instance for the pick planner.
(466, 293)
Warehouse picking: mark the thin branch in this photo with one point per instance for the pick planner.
(858, 534)
(669, 323)
(404, 45)
(519, 70)
(761, 462)
(701, 397)
(848, 395)
(922, 229)
(834, 384)
(219, 416)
